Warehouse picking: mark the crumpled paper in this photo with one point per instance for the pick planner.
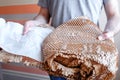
(13, 41)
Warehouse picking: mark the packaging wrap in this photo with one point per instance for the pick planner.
(72, 50)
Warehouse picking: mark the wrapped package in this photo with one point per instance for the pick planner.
(73, 51)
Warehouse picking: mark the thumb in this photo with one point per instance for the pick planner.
(106, 35)
(25, 29)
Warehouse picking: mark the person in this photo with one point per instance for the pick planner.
(60, 11)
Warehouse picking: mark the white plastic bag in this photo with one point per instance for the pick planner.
(12, 40)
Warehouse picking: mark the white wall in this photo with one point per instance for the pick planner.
(16, 2)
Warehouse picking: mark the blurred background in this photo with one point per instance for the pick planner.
(20, 11)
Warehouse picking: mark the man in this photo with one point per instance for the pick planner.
(60, 11)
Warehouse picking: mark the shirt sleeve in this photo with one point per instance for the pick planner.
(43, 3)
(105, 1)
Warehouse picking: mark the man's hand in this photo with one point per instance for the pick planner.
(42, 18)
(29, 24)
(106, 35)
(113, 20)
(36, 22)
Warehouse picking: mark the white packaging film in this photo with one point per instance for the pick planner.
(13, 41)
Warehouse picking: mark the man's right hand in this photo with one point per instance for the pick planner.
(29, 24)
(42, 18)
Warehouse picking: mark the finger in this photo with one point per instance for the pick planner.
(106, 35)
(25, 30)
(112, 39)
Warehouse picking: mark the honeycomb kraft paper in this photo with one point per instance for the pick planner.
(73, 51)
